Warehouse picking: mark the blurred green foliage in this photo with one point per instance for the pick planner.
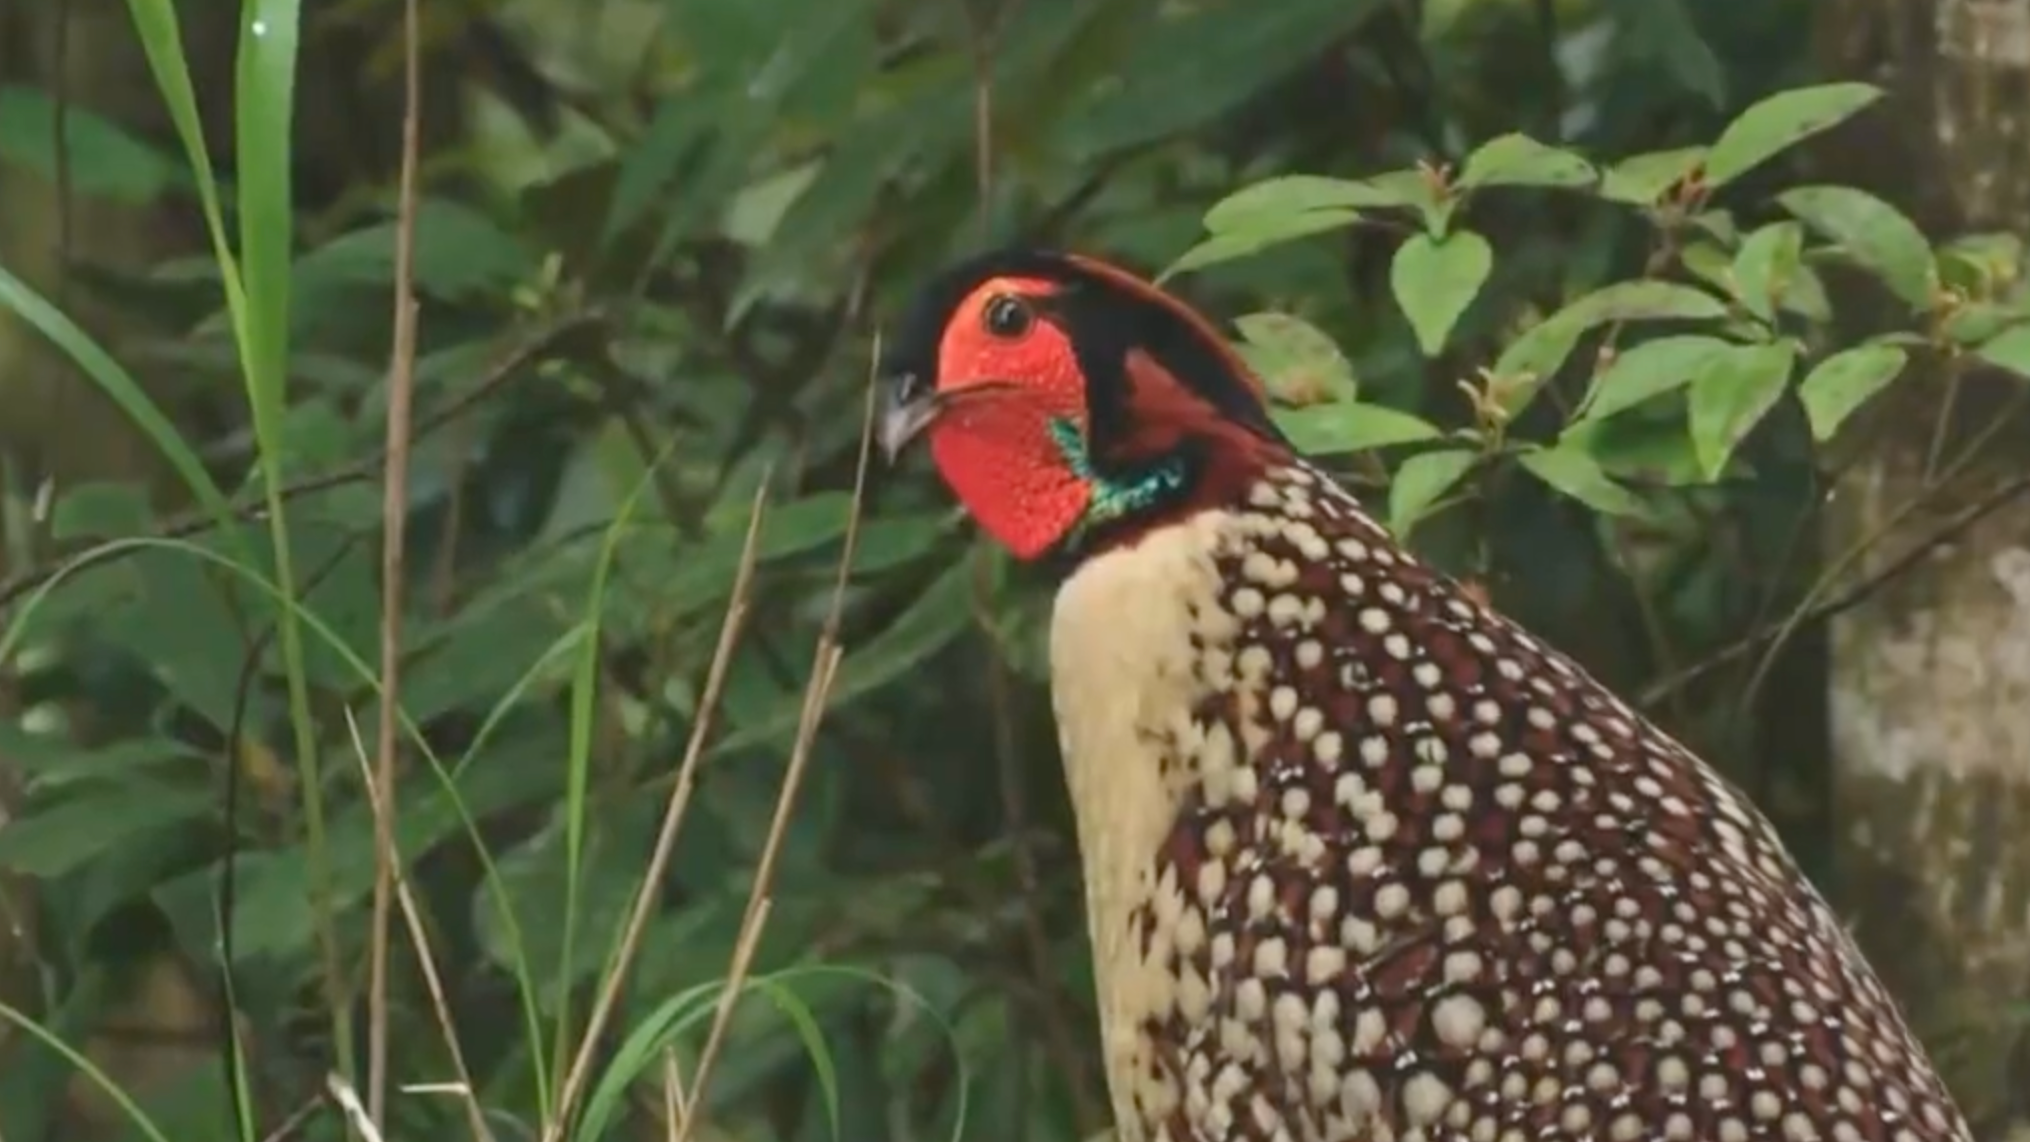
(1543, 277)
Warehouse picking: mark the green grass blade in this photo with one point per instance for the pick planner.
(118, 384)
(87, 1068)
(162, 41)
(584, 692)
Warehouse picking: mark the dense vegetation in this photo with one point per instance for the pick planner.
(1564, 285)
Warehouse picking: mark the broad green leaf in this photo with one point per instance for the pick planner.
(100, 509)
(1662, 36)
(1977, 322)
(59, 838)
(1421, 481)
(1190, 65)
(1765, 266)
(1297, 361)
(1411, 188)
(1641, 180)
(1709, 262)
(1257, 233)
(1568, 469)
(1843, 382)
(1781, 121)
(1518, 160)
(1295, 194)
(1540, 352)
(1807, 297)
(1436, 279)
(459, 254)
(1655, 451)
(680, 126)
(1650, 369)
(1871, 232)
(104, 158)
(2009, 349)
(1730, 396)
(1718, 223)
(1350, 426)
(1979, 263)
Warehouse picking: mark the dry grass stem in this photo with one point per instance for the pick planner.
(675, 1106)
(673, 816)
(419, 938)
(817, 696)
(394, 516)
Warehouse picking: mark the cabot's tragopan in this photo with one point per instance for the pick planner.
(1363, 858)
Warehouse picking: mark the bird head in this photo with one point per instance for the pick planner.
(1069, 404)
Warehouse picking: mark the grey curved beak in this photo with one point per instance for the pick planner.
(906, 409)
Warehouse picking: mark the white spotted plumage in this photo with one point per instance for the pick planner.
(1364, 860)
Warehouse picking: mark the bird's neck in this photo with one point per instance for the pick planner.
(1147, 662)
(1166, 481)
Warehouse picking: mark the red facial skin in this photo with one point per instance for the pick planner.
(993, 445)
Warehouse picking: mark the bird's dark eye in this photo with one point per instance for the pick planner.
(1007, 316)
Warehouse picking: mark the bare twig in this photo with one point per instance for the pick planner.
(394, 525)
(1995, 500)
(673, 817)
(419, 937)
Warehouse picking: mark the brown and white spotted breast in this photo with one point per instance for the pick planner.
(1365, 861)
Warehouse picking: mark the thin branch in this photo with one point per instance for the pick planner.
(394, 526)
(1995, 500)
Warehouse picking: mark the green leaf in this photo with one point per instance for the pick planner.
(1871, 232)
(1518, 160)
(1979, 263)
(1779, 122)
(1765, 266)
(1436, 279)
(100, 509)
(1295, 194)
(1709, 262)
(1731, 395)
(1421, 481)
(459, 254)
(1258, 233)
(104, 158)
(1648, 370)
(1350, 426)
(2009, 349)
(1641, 180)
(1807, 297)
(1298, 362)
(1661, 36)
(1540, 352)
(1190, 65)
(1845, 381)
(1977, 322)
(62, 837)
(1568, 469)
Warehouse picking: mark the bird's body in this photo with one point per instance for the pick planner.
(1363, 859)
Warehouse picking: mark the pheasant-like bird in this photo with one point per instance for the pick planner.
(1364, 860)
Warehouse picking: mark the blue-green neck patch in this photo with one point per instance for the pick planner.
(1115, 497)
